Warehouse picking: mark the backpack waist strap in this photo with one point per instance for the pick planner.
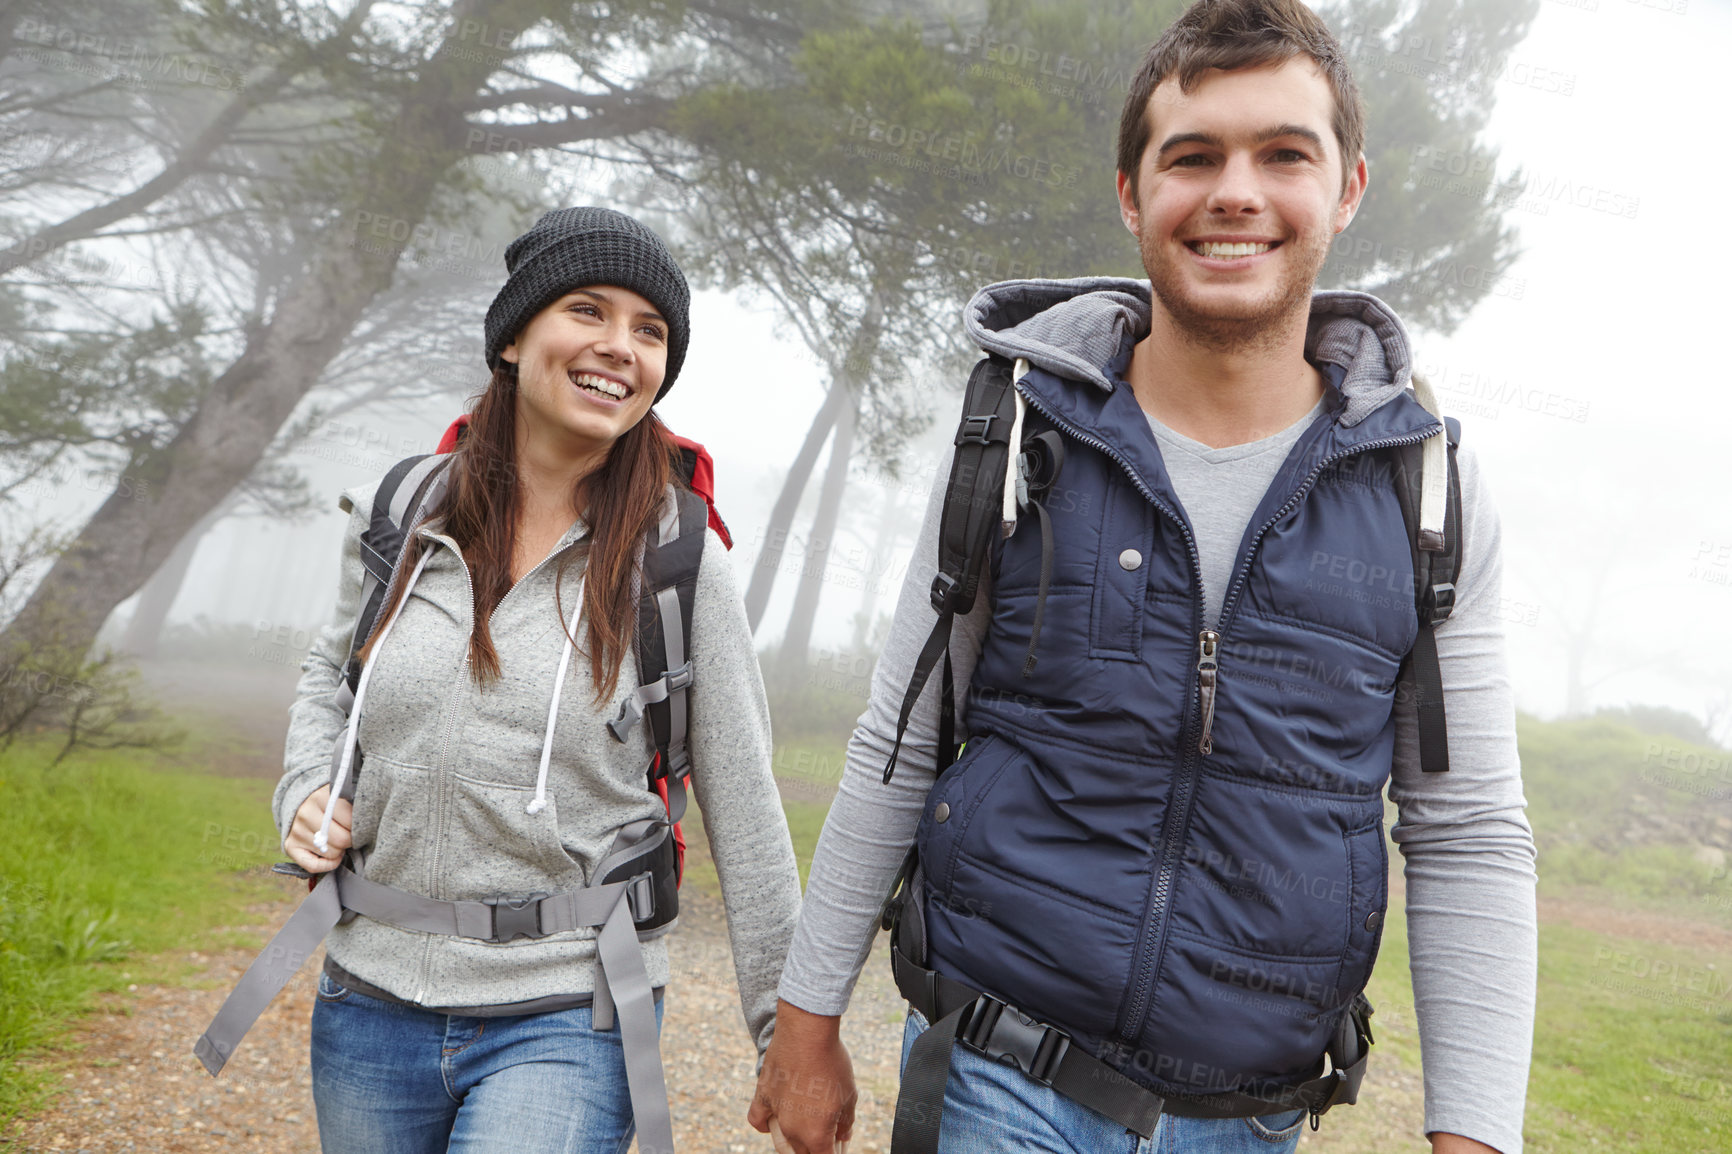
(622, 987)
(1002, 1033)
(496, 919)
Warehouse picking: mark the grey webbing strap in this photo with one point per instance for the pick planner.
(601, 1000)
(632, 1000)
(631, 709)
(269, 973)
(676, 797)
(674, 642)
(408, 911)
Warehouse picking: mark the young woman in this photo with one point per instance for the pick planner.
(491, 779)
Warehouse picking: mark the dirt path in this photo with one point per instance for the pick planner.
(1588, 913)
(130, 1083)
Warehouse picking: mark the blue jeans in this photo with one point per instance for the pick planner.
(390, 1079)
(990, 1108)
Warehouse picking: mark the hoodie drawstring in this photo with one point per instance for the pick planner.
(540, 802)
(323, 837)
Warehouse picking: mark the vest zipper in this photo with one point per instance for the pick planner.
(1178, 809)
(1151, 940)
(1207, 668)
(1243, 568)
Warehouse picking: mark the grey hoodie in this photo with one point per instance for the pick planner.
(1467, 847)
(450, 769)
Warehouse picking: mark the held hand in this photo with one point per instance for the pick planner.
(805, 1097)
(299, 843)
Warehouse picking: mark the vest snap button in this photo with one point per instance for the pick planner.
(942, 812)
(1373, 919)
(1130, 559)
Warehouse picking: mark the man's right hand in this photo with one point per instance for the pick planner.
(807, 1084)
(299, 843)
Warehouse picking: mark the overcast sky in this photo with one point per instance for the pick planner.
(1590, 384)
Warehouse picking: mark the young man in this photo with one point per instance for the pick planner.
(1162, 844)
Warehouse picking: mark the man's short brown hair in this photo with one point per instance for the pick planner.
(1234, 34)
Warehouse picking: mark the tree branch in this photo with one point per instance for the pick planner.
(91, 221)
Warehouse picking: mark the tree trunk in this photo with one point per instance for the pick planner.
(157, 597)
(878, 565)
(787, 503)
(164, 491)
(798, 639)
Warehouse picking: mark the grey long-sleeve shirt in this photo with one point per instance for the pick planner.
(1464, 837)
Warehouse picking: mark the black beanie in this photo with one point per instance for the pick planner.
(572, 247)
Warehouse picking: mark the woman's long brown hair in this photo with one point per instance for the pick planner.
(623, 497)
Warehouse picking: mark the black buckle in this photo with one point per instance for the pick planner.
(640, 895)
(976, 429)
(1439, 603)
(944, 591)
(515, 918)
(1005, 1034)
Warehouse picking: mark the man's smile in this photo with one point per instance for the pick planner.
(1228, 252)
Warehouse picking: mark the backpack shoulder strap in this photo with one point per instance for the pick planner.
(1436, 567)
(671, 558)
(398, 503)
(972, 512)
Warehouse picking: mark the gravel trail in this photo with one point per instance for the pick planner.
(129, 1081)
(131, 1084)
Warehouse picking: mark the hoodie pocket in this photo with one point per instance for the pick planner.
(391, 813)
(493, 847)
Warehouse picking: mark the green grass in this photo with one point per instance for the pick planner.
(110, 873)
(1632, 1042)
(1632, 1047)
(806, 767)
(113, 868)
(805, 819)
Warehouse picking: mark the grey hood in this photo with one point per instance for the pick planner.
(1071, 328)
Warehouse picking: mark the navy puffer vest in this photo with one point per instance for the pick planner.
(1199, 921)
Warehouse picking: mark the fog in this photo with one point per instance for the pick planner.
(1588, 382)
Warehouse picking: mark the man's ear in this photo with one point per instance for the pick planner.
(1128, 206)
(1352, 195)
